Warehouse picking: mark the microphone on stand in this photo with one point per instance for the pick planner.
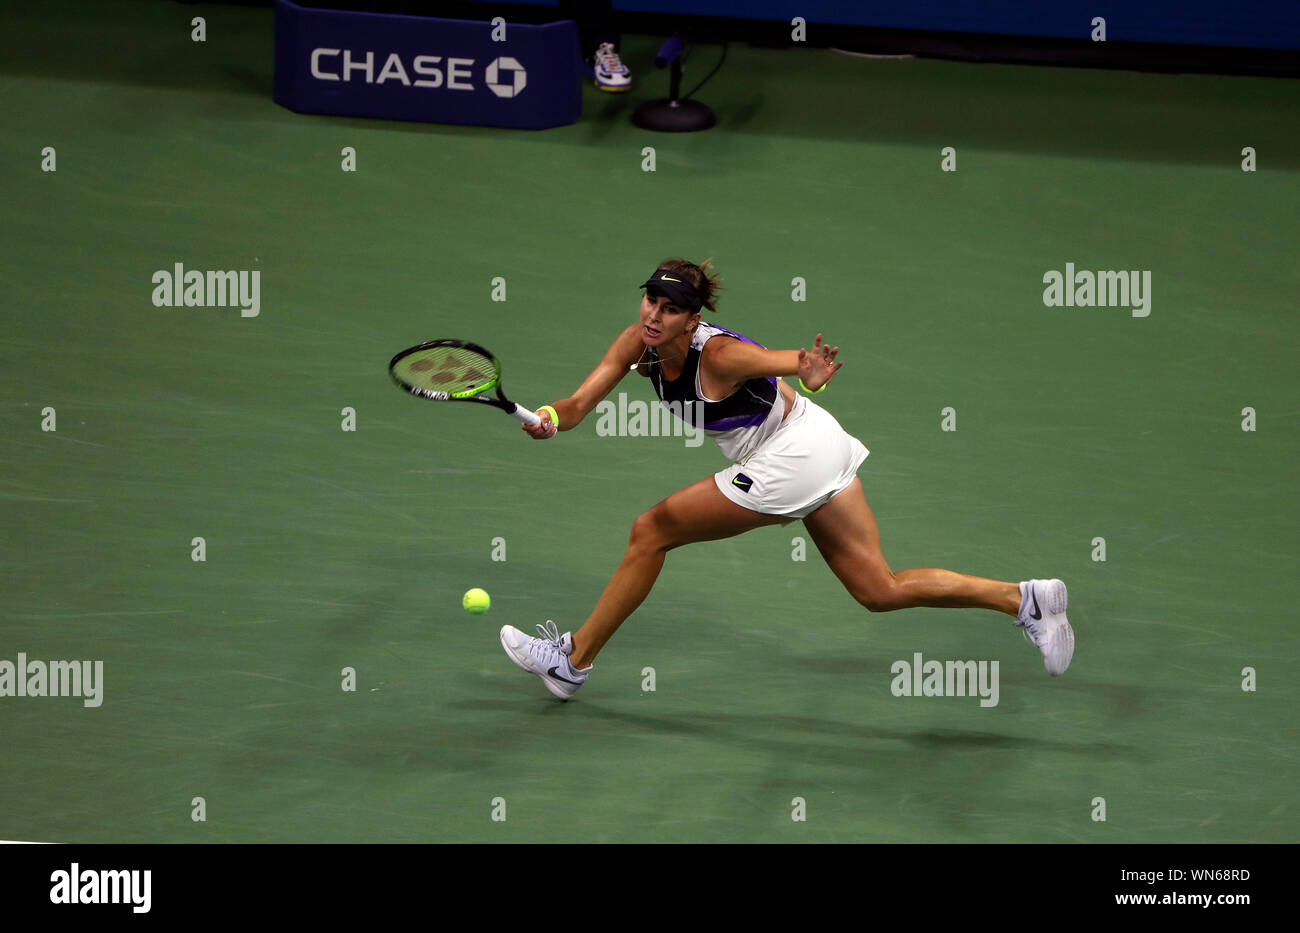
(673, 114)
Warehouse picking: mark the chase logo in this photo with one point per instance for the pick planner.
(742, 482)
(505, 77)
(349, 65)
(428, 69)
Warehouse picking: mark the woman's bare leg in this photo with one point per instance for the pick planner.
(697, 513)
(845, 532)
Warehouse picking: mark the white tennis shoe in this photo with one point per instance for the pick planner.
(608, 69)
(1042, 614)
(547, 657)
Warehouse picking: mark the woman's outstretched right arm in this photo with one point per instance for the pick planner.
(619, 360)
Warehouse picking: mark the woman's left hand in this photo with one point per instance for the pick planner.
(818, 367)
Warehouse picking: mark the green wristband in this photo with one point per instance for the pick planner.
(811, 391)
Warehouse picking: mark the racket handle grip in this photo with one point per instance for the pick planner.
(526, 416)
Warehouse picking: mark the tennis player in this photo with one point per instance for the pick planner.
(790, 460)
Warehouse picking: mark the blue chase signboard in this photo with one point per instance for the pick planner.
(427, 69)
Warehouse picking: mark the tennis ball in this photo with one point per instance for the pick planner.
(476, 601)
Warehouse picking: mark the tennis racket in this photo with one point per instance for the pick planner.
(454, 371)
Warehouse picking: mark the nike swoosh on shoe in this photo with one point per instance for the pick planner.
(551, 672)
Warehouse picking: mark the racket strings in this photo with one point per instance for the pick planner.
(448, 369)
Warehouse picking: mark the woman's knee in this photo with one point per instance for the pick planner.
(881, 596)
(648, 532)
(876, 602)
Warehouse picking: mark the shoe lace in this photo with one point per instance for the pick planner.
(1032, 633)
(608, 56)
(549, 646)
(549, 632)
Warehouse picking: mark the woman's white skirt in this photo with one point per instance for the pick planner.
(799, 468)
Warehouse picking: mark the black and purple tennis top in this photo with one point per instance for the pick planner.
(739, 422)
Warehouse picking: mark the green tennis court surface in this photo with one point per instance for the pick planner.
(329, 549)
